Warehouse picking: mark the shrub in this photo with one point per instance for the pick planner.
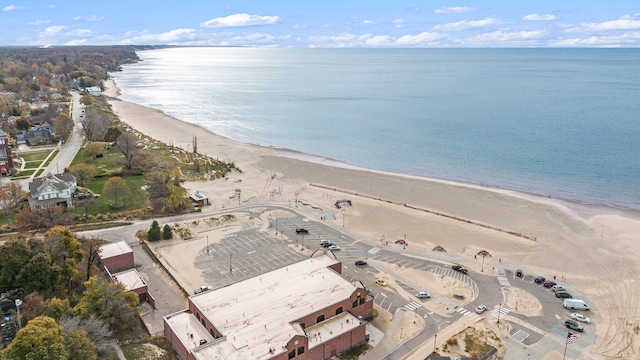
(154, 231)
(167, 233)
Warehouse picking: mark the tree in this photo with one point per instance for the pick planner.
(23, 124)
(79, 345)
(116, 187)
(177, 201)
(113, 133)
(93, 149)
(95, 124)
(154, 232)
(167, 233)
(63, 125)
(127, 143)
(15, 255)
(66, 252)
(58, 308)
(92, 249)
(96, 329)
(42, 338)
(83, 172)
(10, 196)
(110, 302)
(38, 274)
(28, 219)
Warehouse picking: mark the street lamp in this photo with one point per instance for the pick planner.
(207, 244)
(435, 341)
(18, 303)
(499, 311)
(482, 270)
(344, 212)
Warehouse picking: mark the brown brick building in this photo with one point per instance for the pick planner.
(304, 311)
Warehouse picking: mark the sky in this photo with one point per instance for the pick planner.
(326, 23)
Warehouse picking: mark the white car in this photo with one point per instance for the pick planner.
(580, 317)
(334, 247)
(423, 295)
(558, 288)
(480, 309)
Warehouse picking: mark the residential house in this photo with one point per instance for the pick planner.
(52, 190)
(6, 162)
(40, 134)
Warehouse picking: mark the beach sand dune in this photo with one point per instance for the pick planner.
(595, 249)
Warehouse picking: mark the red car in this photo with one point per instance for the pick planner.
(401, 242)
(549, 283)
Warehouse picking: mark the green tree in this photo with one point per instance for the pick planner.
(58, 308)
(23, 124)
(167, 233)
(116, 187)
(42, 338)
(177, 201)
(15, 255)
(110, 302)
(38, 274)
(112, 134)
(79, 345)
(154, 232)
(93, 149)
(83, 172)
(66, 252)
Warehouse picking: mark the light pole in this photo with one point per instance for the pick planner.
(276, 226)
(18, 303)
(344, 212)
(207, 244)
(499, 311)
(435, 341)
(482, 270)
(230, 267)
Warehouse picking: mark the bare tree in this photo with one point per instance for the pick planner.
(10, 195)
(95, 124)
(127, 143)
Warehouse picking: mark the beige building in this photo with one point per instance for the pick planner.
(303, 311)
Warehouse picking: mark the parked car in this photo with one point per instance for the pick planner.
(519, 273)
(558, 288)
(549, 283)
(573, 325)
(361, 262)
(302, 231)
(563, 295)
(323, 241)
(480, 309)
(423, 295)
(370, 293)
(381, 282)
(202, 289)
(401, 242)
(334, 247)
(539, 280)
(459, 268)
(327, 244)
(580, 317)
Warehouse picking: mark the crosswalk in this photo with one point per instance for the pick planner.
(463, 311)
(374, 250)
(502, 311)
(503, 281)
(413, 306)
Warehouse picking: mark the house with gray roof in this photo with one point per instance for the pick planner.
(52, 190)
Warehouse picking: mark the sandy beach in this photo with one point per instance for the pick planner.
(594, 247)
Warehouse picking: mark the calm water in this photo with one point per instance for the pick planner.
(557, 122)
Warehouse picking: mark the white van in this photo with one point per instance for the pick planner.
(575, 304)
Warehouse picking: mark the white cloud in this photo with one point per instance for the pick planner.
(367, 22)
(39, 22)
(53, 30)
(89, 18)
(537, 17)
(466, 24)
(620, 24)
(51, 6)
(76, 42)
(169, 37)
(13, 7)
(415, 7)
(398, 23)
(237, 20)
(455, 10)
(78, 32)
(300, 26)
(369, 40)
(631, 38)
(503, 36)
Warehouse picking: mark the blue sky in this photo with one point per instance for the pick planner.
(326, 23)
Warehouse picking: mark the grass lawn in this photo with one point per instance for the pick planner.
(137, 198)
(35, 156)
(109, 163)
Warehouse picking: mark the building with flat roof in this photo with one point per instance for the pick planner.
(303, 311)
(116, 256)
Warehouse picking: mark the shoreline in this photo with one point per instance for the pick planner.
(587, 244)
(578, 209)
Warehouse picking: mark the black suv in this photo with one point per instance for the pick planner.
(573, 325)
(361, 262)
(459, 268)
(302, 231)
(539, 280)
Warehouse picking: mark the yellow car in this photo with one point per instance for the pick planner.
(381, 282)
